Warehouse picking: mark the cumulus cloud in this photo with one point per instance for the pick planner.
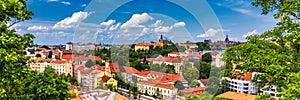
(157, 23)
(145, 30)
(66, 3)
(164, 29)
(37, 28)
(136, 20)
(179, 24)
(211, 33)
(69, 22)
(250, 33)
(114, 27)
(108, 23)
(83, 5)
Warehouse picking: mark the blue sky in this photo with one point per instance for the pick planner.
(107, 21)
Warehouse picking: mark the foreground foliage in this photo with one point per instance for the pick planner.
(16, 80)
(274, 53)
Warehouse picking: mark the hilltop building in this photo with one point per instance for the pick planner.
(146, 46)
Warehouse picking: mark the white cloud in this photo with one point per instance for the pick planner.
(37, 28)
(145, 30)
(69, 22)
(211, 33)
(157, 23)
(164, 29)
(136, 20)
(114, 27)
(243, 11)
(108, 23)
(250, 33)
(52, 0)
(66, 3)
(179, 24)
(83, 5)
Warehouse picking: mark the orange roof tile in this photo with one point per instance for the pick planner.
(237, 96)
(131, 70)
(142, 44)
(248, 77)
(114, 67)
(58, 61)
(67, 57)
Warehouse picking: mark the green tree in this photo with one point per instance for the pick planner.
(38, 55)
(275, 53)
(207, 57)
(89, 63)
(191, 74)
(50, 54)
(203, 68)
(194, 83)
(17, 81)
(179, 85)
(155, 67)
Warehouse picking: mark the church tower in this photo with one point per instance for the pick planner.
(161, 40)
(227, 39)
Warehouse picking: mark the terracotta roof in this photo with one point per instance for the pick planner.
(67, 57)
(168, 59)
(105, 78)
(172, 78)
(143, 44)
(192, 91)
(237, 96)
(248, 77)
(144, 73)
(174, 53)
(114, 67)
(58, 61)
(156, 83)
(214, 53)
(80, 68)
(131, 70)
(67, 51)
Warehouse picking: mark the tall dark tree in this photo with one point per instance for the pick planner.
(50, 54)
(207, 57)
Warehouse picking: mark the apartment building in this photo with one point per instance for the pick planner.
(60, 66)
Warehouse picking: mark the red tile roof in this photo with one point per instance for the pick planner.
(131, 70)
(105, 79)
(58, 61)
(169, 59)
(67, 57)
(156, 83)
(192, 91)
(143, 44)
(174, 53)
(248, 77)
(80, 68)
(114, 67)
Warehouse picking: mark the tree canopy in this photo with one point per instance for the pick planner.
(275, 53)
(17, 81)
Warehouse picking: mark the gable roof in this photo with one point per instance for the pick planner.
(105, 78)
